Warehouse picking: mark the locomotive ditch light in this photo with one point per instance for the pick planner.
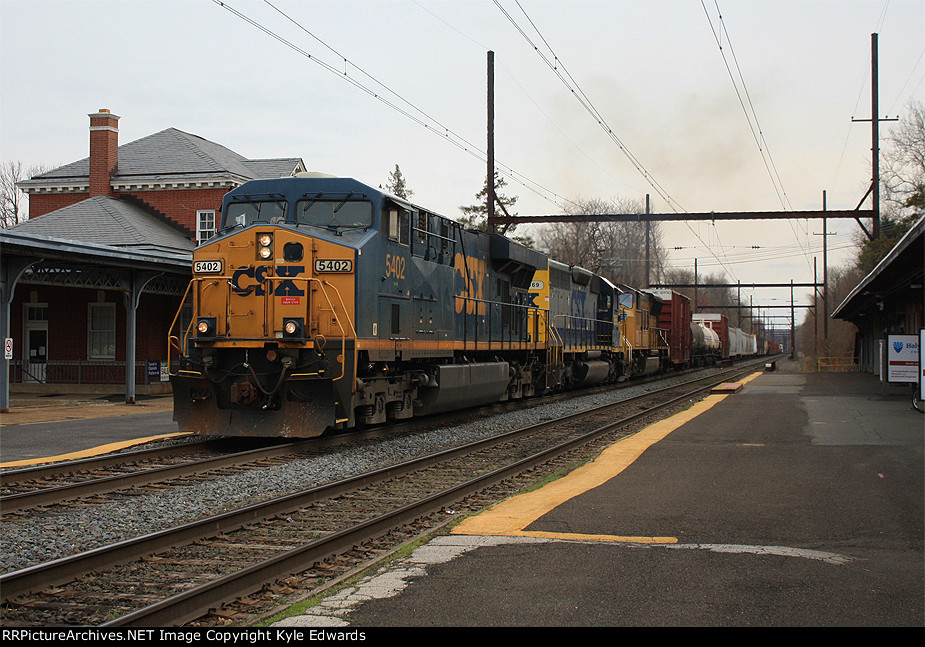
(293, 326)
(206, 326)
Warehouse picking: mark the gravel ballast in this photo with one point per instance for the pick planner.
(62, 531)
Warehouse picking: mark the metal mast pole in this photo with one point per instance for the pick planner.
(875, 134)
(647, 241)
(490, 181)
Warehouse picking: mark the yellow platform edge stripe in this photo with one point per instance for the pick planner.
(93, 451)
(510, 517)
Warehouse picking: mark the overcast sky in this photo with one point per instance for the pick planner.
(652, 70)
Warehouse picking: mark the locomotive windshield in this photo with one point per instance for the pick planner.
(342, 212)
(242, 214)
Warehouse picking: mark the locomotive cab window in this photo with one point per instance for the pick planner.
(242, 214)
(397, 225)
(342, 212)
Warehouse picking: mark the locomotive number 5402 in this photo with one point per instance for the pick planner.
(333, 265)
(207, 267)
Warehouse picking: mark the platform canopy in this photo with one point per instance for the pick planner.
(30, 258)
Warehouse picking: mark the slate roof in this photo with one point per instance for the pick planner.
(173, 153)
(108, 221)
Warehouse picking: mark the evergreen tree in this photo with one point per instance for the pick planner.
(397, 185)
(475, 216)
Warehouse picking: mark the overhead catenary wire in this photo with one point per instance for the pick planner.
(558, 67)
(752, 119)
(410, 110)
(563, 74)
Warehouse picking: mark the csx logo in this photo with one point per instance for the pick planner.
(253, 280)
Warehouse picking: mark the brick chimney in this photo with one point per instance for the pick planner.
(104, 151)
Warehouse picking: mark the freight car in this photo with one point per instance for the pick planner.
(734, 342)
(324, 303)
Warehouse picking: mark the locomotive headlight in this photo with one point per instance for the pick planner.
(265, 246)
(291, 327)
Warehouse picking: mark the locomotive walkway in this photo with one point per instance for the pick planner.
(797, 501)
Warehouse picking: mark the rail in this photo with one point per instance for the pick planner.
(198, 599)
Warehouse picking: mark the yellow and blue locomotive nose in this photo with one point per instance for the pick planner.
(272, 335)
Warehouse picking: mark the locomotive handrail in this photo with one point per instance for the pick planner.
(582, 333)
(558, 349)
(525, 315)
(343, 369)
(218, 279)
(174, 323)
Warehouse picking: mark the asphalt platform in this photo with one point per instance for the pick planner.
(796, 500)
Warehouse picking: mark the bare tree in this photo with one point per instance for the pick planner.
(903, 179)
(903, 164)
(810, 337)
(615, 250)
(14, 203)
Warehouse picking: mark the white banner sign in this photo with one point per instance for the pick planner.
(902, 358)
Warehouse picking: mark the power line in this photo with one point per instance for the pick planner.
(559, 69)
(562, 73)
(412, 111)
(750, 116)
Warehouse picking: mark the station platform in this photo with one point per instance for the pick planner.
(796, 500)
(66, 426)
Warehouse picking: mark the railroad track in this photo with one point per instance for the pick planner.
(76, 480)
(43, 486)
(178, 575)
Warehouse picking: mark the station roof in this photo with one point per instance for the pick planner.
(169, 155)
(902, 269)
(107, 221)
(17, 244)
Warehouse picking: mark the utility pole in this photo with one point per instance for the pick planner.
(875, 133)
(875, 136)
(647, 242)
(490, 183)
(792, 323)
(825, 280)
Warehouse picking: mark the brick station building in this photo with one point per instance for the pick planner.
(94, 278)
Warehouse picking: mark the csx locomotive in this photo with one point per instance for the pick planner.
(324, 303)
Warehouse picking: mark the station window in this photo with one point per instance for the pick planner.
(205, 225)
(101, 342)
